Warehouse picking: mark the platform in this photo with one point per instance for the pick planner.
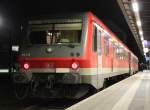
(132, 93)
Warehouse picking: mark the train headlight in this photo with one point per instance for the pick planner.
(75, 65)
(26, 66)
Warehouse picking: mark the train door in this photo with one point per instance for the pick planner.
(129, 58)
(100, 80)
(99, 51)
(111, 54)
(130, 64)
(98, 47)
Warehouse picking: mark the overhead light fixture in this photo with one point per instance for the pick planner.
(135, 6)
(146, 50)
(143, 46)
(142, 38)
(138, 23)
(141, 33)
(143, 43)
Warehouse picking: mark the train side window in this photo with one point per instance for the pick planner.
(106, 45)
(99, 42)
(117, 52)
(94, 43)
(114, 49)
(121, 53)
(125, 56)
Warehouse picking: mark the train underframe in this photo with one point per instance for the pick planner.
(49, 86)
(45, 85)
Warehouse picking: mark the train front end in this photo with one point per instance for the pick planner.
(50, 59)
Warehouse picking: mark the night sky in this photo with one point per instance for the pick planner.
(15, 12)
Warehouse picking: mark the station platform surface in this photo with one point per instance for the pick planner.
(132, 93)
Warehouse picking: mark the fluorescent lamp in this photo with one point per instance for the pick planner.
(142, 38)
(146, 50)
(138, 23)
(141, 33)
(143, 43)
(135, 6)
(4, 70)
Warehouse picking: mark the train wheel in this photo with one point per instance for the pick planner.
(21, 90)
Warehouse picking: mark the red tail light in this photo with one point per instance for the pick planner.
(74, 65)
(26, 66)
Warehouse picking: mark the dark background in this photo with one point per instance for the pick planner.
(14, 14)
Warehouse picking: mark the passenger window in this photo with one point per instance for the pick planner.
(117, 52)
(106, 45)
(114, 49)
(94, 43)
(120, 53)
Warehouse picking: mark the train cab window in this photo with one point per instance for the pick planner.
(106, 45)
(38, 37)
(94, 37)
(59, 33)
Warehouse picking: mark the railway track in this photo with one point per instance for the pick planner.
(7, 102)
(39, 104)
(50, 104)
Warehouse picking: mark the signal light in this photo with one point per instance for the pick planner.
(26, 66)
(74, 65)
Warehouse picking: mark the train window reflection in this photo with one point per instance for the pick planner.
(106, 45)
(56, 33)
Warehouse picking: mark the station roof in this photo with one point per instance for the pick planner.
(137, 15)
(145, 18)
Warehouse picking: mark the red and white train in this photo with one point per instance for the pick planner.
(66, 55)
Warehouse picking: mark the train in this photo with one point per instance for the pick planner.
(67, 55)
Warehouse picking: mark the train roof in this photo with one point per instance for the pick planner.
(109, 31)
